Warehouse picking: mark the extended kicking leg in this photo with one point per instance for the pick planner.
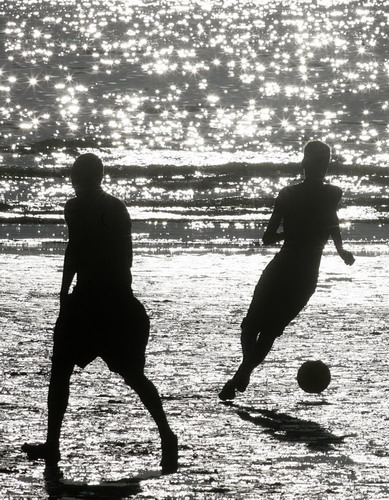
(251, 360)
(253, 355)
(149, 396)
(57, 403)
(242, 376)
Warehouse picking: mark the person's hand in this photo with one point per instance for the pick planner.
(347, 257)
(270, 238)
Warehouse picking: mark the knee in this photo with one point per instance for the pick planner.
(135, 380)
(60, 370)
(248, 331)
(269, 336)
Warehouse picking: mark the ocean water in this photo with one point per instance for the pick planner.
(199, 109)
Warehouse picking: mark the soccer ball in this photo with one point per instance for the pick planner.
(313, 376)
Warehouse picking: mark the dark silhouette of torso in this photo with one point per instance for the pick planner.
(308, 212)
(100, 237)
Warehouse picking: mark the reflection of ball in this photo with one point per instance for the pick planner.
(313, 376)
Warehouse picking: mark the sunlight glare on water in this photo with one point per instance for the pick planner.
(197, 76)
(199, 110)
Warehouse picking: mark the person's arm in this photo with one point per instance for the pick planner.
(120, 220)
(336, 236)
(270, 236)
(129, 247)
(69, 271)
(345, 255)
(69, 266)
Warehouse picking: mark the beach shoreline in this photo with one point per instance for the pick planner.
(364, 237)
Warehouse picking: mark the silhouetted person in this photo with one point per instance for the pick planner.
(307, 212)
(101, 317)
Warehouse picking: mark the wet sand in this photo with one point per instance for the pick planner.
(273, 442)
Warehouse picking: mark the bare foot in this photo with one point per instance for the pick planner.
(50, 454)
(228, 391)
(241, 380)
(169, 462)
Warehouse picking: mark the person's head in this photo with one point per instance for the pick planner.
(316, 158)
(87, 172)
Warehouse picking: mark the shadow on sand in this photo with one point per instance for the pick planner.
(284, 427)
(59, 488)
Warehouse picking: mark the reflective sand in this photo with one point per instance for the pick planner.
(273, 442)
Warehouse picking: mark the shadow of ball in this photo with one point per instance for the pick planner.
(313, 376)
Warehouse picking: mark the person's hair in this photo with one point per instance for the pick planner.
(87, 170)
(316, 157)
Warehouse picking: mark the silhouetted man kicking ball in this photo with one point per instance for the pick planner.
(307, 212)
(101, 317)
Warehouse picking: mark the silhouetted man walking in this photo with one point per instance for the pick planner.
(101, 317)
(307, 212)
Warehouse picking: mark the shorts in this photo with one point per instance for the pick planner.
(114, 327)
(283, 290)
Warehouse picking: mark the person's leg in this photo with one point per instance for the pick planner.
(250, 329)
(253, 358)
(57, 402)
(126, 356)
(150, 397)
(254, 353)
(256, 348)
(248, 338)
